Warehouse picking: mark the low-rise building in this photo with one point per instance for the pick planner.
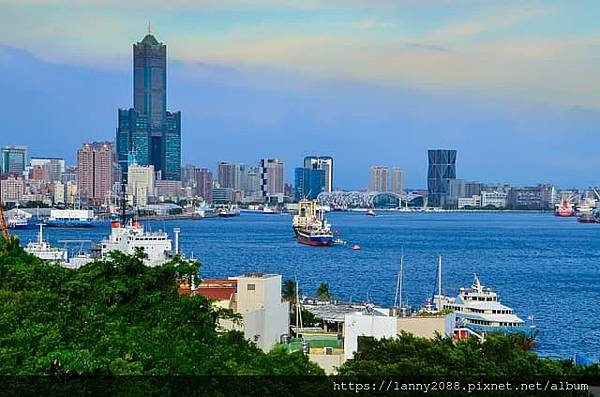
(257, 298)
(469, 202)
(494, 199)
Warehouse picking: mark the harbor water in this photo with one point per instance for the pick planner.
(540, 265)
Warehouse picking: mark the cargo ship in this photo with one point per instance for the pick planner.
(310, 225)
(71, 218)
(565, 208)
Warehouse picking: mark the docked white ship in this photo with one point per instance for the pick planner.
(127, 238)
(43, 250)
(479, 309)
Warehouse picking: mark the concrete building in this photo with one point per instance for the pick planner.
(223, 195)
(13, 159)
(140, 183)
(188, 176)
(55, 166)
(166, 189)
(378, 178)
(469, 202)
(540, 197)
(71, 192)
(271, 176)
(257, 298)
(59, 193)
(324, 163)
(96, 172)
(397, 180)
(204, 184)
(12, 189)
(494, 199)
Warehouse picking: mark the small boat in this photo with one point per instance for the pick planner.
(356, 247)
(43, 250)
(371, 213)
(229, 211)
(20, 221)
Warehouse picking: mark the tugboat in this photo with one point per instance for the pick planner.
(310, 225)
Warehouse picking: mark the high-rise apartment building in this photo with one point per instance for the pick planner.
(96, 174)
(271, 176)
(204, 184)
(12, 189)
(148, 130)
(188, 176)
(397, 180)
(442, 168)
(324, 163)
(379, 178)
(14, 159)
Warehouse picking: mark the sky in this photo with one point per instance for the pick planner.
(512, 85)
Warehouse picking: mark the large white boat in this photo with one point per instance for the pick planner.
(127, 237)
(43, 250)
(479, 309)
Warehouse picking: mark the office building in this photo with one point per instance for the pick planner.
(14, 159)
(58, 196)
(188, 176)
(166, 189)
(271, 176)
(397, 183)
(55, 166)
(148, 130)
(204, 184)
(229, 175)
(140, 183)
(223, 195)
(494, 199)
(309, 182)
(96, 172)
(324, 163)
(442, 169)
(379, 178)
(472, 189)
(540, 197)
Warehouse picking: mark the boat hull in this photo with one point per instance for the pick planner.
(484, 329)
(314, 240)
(52, 223)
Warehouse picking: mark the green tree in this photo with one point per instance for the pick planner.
(118, 317)
(288, 291)
(323, 292)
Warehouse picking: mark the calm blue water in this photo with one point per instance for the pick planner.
(540, 265)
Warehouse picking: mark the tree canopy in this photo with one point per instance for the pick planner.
(118, 317)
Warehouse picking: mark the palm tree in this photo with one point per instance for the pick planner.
(288, 291)
(323, 292)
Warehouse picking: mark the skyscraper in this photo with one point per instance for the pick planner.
(309, 182)
(204, 184)
(322, 163)
(379, 178)
(148, 130)
(397, 180)
(228, 174)
(96, 171)
(271, 176)
(14, 159)
(442, 168)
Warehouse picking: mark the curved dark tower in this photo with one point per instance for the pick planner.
(148, 131)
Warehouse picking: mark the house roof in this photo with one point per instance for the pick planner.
(216, 293)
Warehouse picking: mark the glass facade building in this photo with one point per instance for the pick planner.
(442, 168)
(148, 130)
(14, 159)
(309, 182)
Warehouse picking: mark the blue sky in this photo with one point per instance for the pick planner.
(513, 85)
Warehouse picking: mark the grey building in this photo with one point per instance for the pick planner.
(148, 130)
(441, 170)
(540, 197)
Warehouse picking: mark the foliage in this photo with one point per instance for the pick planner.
(118, 317)
(323, 292)
(288, 291)
(499, 356)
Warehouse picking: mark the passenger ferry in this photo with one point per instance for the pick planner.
(479, 309)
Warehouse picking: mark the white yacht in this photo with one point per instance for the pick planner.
(43, 250)
(479, 309)
(126, 238)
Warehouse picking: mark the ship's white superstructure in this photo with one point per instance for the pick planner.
(43, 250)
(127, 238)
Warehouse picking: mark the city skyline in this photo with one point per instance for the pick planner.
(238, 109)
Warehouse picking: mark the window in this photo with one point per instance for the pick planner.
(251, 287)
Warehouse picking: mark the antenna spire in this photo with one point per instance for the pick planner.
(149, 28)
